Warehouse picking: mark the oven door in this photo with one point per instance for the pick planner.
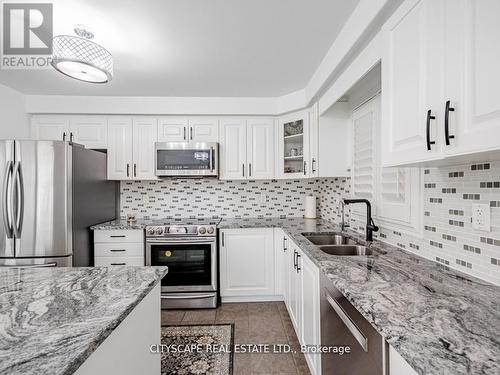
(186, 159)
(192, 263)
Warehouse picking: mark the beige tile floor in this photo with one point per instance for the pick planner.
(254, 323)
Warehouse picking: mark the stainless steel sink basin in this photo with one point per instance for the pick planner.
(348, 250)
(329, 239)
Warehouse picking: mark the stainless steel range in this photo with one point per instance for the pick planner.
(189, 249)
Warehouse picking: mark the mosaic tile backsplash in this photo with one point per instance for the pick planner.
(447, 236)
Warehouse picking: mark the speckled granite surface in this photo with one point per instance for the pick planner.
(52, 319)
(440, 320)
(120, 224)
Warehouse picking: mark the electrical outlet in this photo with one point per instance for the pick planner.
(263, 198)
(481, 217)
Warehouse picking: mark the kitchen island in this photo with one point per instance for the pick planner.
(77, 320)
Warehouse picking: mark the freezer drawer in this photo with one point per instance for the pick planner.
(343, 326)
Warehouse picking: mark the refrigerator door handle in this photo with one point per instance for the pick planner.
(6, 212)
(19, 210)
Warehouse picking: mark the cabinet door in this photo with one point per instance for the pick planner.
(232, 151)
(145, 133)
(472, 53)
(260, 149)
(310, 316)
(412, 82)
(293, 146)
(281, 244)
(294, 286)
(50, 128)
(90, 131)
(119, 148)
(172, 129)
(247, 262)
(314, 141)
(203, 129)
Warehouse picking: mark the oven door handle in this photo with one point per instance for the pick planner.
(187, 296)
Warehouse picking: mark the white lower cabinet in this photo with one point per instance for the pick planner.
(247, 265)
(119, 247)
(397, 365)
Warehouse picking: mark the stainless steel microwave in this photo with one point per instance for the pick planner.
(194, 159)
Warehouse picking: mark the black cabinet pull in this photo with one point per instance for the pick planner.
(447, 111)
(135, 170)
(250, 170)
(305, 170)
(71, 137)
(120, 236)
(313, 166)
(222, 239)
(128, 170)
(284, 244)
(64, 136)
(191, 132)
(295, 259)
(118, 264)
(298, 267)
(117, 250)
(428, 129)
(184, 133)
(243, 170)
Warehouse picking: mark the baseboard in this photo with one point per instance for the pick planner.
(230, 299)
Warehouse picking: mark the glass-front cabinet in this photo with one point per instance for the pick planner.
(293, 151)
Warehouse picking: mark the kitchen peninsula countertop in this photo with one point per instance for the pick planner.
(52, 319)
(439, 320)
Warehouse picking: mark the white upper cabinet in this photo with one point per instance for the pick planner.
(144, 134)
(440, 82)
(293, 159)
(90, 131)
(50, 128)
(120, 155)
(172, 129)
(260, 148)
(195, 129)
(203, 129)
(232, 151)
(314, 141)
(412, 76)
(472, 53)
(246, 149)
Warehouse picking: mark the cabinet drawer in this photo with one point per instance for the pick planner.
(119, 261)
(118, 249)
(129, 235)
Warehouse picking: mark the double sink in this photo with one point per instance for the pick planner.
(335, 244)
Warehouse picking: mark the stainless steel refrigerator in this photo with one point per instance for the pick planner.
(51, 193)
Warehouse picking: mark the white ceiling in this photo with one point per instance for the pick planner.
(196, 48)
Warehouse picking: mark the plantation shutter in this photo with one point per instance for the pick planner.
(395, 192)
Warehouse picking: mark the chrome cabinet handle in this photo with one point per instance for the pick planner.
(349, 323)
(295, 259)
(447, 135)
(190, 296)
(18, 217)
(428, 130)
(298, 266)
(6, 211)
(284, 245)
(52, 264)
(313, 165)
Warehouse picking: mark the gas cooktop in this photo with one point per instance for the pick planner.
(183, 227)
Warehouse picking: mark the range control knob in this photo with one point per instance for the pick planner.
(210, 230)
(159, 231)
(151, 231)
(202, 230)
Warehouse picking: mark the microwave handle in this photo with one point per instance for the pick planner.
(211, 158)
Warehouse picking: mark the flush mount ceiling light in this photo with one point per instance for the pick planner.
(80, 58)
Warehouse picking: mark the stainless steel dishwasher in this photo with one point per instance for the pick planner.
(343, 326)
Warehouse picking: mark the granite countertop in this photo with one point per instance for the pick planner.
(121, 224)
(52, 319)
(439, 320)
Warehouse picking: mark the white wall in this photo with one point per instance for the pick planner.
(14, 121)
